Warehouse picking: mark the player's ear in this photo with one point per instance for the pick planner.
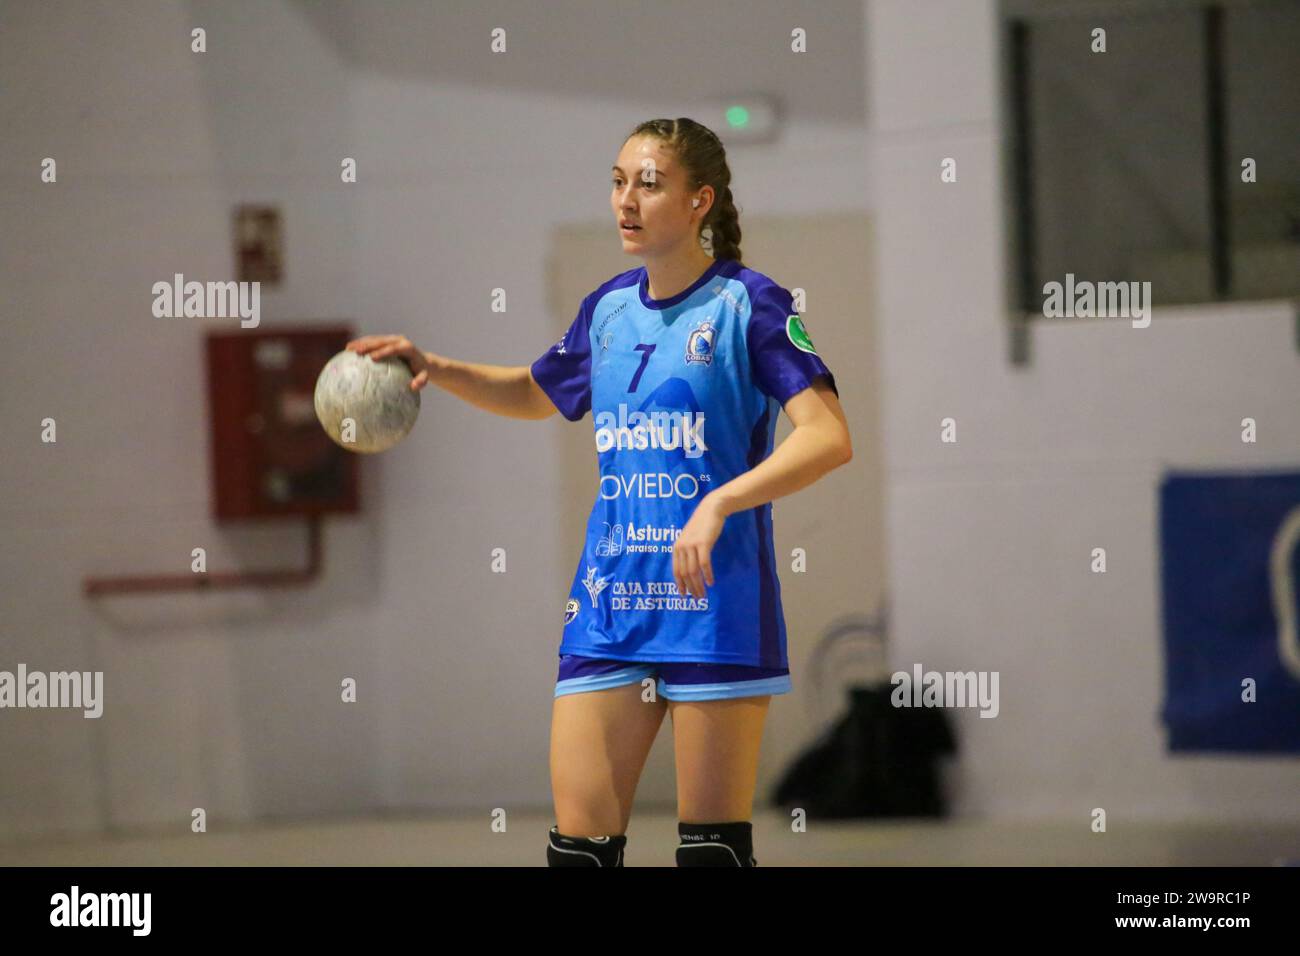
(703, 201)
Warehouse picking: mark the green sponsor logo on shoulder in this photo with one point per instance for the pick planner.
(798, 334)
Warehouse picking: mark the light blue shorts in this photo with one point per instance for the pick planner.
(674, 681)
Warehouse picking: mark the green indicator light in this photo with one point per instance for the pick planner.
(737, 117)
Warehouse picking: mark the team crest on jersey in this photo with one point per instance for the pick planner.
(594, 584)
(699, 344)
(797, 334)
(571, 608)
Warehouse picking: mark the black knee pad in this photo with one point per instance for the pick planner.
(584, 851)
(716, 844)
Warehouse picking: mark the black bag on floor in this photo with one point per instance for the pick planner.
(877, 761)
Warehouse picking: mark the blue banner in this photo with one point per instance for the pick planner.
(1229, 546)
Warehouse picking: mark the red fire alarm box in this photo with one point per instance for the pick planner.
(270, 456)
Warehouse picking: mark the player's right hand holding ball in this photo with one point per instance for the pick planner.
(382, 346)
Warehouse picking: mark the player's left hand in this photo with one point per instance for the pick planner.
(692, 566)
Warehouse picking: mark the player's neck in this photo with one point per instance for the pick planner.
(666, 278)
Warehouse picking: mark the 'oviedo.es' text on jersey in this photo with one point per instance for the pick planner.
(684, 394)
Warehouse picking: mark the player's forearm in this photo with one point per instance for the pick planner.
(501, 389)
(807, 453)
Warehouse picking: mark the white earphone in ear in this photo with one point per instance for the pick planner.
(695, 202)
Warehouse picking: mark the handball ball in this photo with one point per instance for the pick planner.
(364, 405)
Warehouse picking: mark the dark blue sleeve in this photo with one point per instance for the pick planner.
(564, 371)
(781, 354)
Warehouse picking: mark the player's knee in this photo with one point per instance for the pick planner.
(716, 844)
(563, 850)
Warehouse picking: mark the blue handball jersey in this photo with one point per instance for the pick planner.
(684, 394)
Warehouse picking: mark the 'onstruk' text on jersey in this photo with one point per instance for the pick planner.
(684, 394)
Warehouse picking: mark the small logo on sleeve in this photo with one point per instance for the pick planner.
(799, 335)
(571, 609)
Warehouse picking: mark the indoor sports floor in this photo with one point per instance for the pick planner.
(466, 841)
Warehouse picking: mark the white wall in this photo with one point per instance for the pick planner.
(990, 538)
(231, 702)
(154, 145)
